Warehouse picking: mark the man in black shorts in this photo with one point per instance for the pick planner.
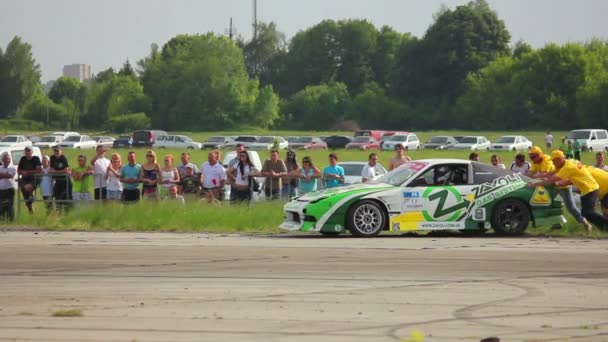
(29, 167)
(60, 169)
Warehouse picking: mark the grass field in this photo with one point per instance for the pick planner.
(260, 217)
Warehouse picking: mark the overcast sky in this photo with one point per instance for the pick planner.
(104, 33)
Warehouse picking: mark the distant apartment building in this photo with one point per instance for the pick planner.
(80, 72)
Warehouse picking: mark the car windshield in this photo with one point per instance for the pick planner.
(579, 135)
(48, 139)
(305, 140)
(352, 169)
(398, 138)
(469, 140)
(439, 140)
(9, 139)
(506, 140)
(401, 174)
(216, 139)
(73, 138)
(361, 139)
(266, 140)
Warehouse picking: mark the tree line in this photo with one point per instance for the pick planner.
(344, 74)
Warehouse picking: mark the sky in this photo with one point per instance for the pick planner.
(105, 33)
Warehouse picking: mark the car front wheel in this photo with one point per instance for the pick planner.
(366, 219)
(510, 217)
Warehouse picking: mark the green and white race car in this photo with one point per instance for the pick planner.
(432, 194)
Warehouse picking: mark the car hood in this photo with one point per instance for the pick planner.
(360, 187)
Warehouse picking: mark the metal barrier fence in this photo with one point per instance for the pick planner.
(275, 188)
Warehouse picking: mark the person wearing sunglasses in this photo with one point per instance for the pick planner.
(150, 176)
(290, 183)
(308, 175)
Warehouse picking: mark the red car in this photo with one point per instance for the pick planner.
(363, 143)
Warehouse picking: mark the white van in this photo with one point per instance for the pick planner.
(590, 139)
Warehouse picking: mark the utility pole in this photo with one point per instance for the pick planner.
(255, 19)
(231, 30)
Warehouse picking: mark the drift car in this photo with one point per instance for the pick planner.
(433, 194)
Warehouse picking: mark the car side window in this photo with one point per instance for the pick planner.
(602, 135)
(442, 175)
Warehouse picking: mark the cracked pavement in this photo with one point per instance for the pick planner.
(193, 287)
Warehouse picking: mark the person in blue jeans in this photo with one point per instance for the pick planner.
(333, 174)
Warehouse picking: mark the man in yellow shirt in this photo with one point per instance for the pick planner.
(542, 167)
(601, 177)
(572, 172)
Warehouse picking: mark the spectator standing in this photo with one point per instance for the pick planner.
(308, 175)
(290, 183)
(7, 188)
(576, 146)
(399, 159)
(239, 148)
(181, 168)
(213, 178)
(46, 183)
(569, 153)
(29, 166)
(129, 176)
(242, 174)
(333, 174)
(474, 156)
(114, 189)
(60, 169)
(190, 184)
(368, 173)
(549, 139)
(100, 165)
(273, 169)
(497, 162)
(168, 175)
(600, 158)
(150, 176)
(82, 180)
(520, 165)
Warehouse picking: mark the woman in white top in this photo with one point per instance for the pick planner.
(169, 176)
(114, 189)
(243, 173)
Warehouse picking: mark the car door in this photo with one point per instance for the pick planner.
(179, 142)
(437, 199)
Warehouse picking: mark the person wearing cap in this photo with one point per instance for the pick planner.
(29, 166)
(542, 167)
(399, 159)
(7, 187)
(189, 184)
(60, 169)
(290, 183)
(181, 168)
(572, 172)
(100, 164)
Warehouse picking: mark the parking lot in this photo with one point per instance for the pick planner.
(193, 287)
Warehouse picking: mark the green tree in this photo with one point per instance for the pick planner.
(19, 77)
(261, 51)
(316, 107)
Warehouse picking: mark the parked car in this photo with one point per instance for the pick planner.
(64, 135)
(33, 138)
(473, 143)
(122, 141)
(337, 141)
(431, 194)
(409, 141)
(177, 141)
(511, 143)
(590, 139)
(104, 141)
(267, 143)
(242, 139)
(363, 143)
(14, 141)
(146, 137)
(441, 142)
(307, 143)
(49, 141)
(78, 142)
(354, 169)
(217, 142)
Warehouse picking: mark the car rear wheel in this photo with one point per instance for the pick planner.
(510, 217)
(366, 219)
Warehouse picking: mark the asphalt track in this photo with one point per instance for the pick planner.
(200, 287)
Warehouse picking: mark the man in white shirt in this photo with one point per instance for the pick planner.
(7, 188)
(549, 140)
(213, 177)
(369, 170)
(520, 165)
(100, 165)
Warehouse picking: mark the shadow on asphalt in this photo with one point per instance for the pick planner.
(435, 234)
